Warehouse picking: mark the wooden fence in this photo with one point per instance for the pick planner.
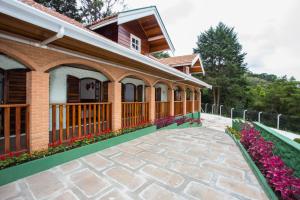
(162, 109)
(76, 120)
(134, 114)
(14, 128)
(178, 108)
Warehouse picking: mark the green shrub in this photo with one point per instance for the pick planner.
(235, 133)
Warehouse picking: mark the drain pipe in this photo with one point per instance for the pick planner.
(221, 110)
(278, 121)
(58, 35)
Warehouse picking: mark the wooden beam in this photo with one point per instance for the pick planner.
(156, 38)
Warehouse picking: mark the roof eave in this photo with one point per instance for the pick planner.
(34, 16)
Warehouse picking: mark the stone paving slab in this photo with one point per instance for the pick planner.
(191, 163)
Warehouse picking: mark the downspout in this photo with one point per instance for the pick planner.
(58, 35)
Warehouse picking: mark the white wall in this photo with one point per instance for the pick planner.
(164, 91)
(58, 81)
(9, 63)
(87, 93)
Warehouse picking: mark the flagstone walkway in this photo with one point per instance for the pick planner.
(192, 163)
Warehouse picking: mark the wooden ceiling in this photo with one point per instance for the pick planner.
(150, 26)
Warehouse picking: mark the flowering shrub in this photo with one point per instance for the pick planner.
(163, 122)
(13, 159)
(182, 120)
(279, 176)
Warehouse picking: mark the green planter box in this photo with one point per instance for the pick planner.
(26, 169)
(184, 125)
(171, 126)
(261, 179)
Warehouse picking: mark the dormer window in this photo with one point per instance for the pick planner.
(135, 43)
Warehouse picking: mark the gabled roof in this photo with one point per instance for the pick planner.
(192, 60)
(136, 14)
(35, 14)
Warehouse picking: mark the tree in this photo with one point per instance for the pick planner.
(93, 10)
(68, 8)
(224, 64)
(161, 54)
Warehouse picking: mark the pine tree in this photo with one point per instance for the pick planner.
(223, 60)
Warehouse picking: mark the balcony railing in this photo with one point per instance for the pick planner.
(189, 106)
(134, 113)
(14, 128)
(77, 120)
(178, 108)
(162, 109)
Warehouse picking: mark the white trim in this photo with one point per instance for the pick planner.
(34, 16)
(130, 15)
(198, 57)
(139, 43)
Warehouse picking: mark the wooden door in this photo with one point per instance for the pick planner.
(73, 89)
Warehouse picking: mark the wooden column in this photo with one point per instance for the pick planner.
(115, 97)
(184, 100)
(37, 87)
(171, 100)
(200, 98)
(150, 97)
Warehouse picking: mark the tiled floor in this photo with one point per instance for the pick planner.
(193, 163)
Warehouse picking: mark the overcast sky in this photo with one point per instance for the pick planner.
(269, 30)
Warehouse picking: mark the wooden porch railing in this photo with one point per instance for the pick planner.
(196, 106)
(162, 109)
(178, 108)
(189, 106)
(134, 113)
(14, 128)
(76, 120)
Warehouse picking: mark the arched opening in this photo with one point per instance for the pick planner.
(189, 100)
(14, 120)
(162, 104)
(178, 101)
(135, 109)
(78, 103)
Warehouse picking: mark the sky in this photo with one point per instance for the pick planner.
(269, 30)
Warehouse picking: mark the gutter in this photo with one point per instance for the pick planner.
(58, 35)
(34, 16)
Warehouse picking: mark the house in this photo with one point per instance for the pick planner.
(61, 80)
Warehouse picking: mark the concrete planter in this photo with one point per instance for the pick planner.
(29, 168)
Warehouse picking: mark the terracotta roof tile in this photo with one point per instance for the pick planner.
(103, 20)
(178, 60)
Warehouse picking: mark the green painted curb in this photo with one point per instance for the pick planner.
(184, 125)
(26, 169)
(261, 179)
(171, 126)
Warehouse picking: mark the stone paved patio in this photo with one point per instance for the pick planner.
(193, 163)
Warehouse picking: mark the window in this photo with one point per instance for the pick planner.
(135, 43)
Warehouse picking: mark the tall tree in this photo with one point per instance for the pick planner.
(162, 54)
(93, 10)
(224, 64)
(68, 8)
